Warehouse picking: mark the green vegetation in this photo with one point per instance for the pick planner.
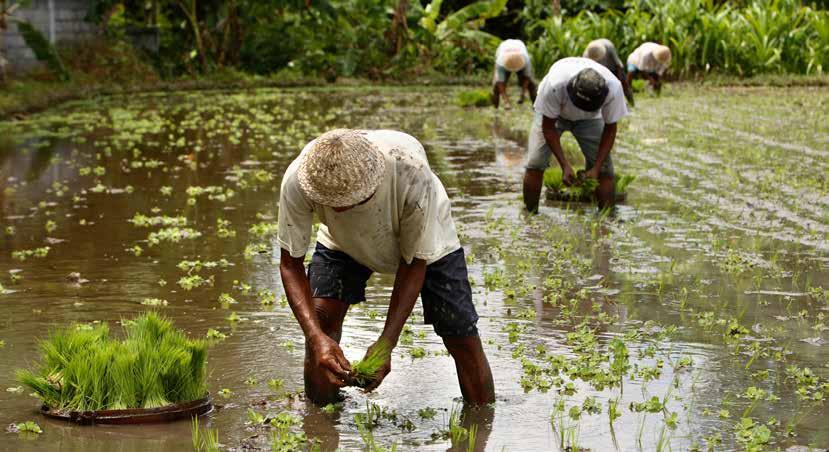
(475, 98)
(364, 371)
(758, 36)
(82, 369)
(204, 440)
(43, 49)
(585, 188)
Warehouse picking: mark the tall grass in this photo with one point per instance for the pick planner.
(83, 369)
(764, 36)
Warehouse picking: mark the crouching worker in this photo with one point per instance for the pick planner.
(581, 96)
(381, 209)
(650, 60)
(512, 56)
(604, 52)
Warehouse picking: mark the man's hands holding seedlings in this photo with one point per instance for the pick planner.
(382, 351)
(328, 357)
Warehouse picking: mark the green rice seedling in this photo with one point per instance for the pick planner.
(622, 182)
(364, 371)
(83, 369)
(474, 98)
(206, 440)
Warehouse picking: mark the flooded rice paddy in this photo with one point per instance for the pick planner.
(695, 317)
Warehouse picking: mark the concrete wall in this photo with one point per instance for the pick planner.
(58, 20)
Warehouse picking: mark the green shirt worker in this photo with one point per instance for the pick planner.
(381, 209)
(581, 96)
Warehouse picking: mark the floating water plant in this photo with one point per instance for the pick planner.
(364, 371)
(82, 368)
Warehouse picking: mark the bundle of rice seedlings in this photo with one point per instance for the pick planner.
(83, 369)
(475, 98)
(584, 187)
(364, 371)
(622, 182)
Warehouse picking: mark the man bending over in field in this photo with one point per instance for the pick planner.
(604, 52)
(512, 56)
(382, 209)
(650, 60)
(584, 97)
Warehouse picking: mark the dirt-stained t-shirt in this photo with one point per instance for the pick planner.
(409, 216)
(644, 60)
(553, 102)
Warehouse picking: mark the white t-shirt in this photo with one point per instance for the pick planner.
(553, 101)
(644, 60)
(511, 46)
(408, 217)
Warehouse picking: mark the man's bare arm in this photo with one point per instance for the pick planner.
(326, 351)
(605, 145)
(551, 137)
(407, 284)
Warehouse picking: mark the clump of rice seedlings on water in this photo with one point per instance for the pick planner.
(364, 371)
(83, 369)
(475, 98)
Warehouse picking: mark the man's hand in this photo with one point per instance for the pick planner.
(382, 348)
(592, 173)
(327, 356)
(568, 176)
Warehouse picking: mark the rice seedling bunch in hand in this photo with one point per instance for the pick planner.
(83, 369)
(364, 371)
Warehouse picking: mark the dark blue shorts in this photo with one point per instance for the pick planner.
(446, 294)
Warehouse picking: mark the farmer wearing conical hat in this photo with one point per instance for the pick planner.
(381, 209)
(604, 52)
(512, 56)
(650, 60)
(581, 96)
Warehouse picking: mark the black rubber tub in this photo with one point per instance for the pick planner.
(134, 415)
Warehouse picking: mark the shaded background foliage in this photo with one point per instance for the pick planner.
(382, 39)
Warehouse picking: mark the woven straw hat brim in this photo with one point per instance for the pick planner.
(342, 168)
(514, 62)
(595, 50)
(662, 54)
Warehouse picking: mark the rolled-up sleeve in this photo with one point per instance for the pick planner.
(296, 214)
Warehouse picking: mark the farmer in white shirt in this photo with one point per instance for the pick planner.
(584, 97)
(512, 56)
(381, 209)
(650, 60)
(604, 52)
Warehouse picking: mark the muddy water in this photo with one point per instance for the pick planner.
(710, 275)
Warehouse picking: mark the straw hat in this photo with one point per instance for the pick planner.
(595, 50)
(514, 61)
(662, 54)
(341, 169)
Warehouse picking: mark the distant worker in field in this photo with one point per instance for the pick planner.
(381, 209)
(650, 60)
(584, 97)
(604, 52)
(512, 56)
